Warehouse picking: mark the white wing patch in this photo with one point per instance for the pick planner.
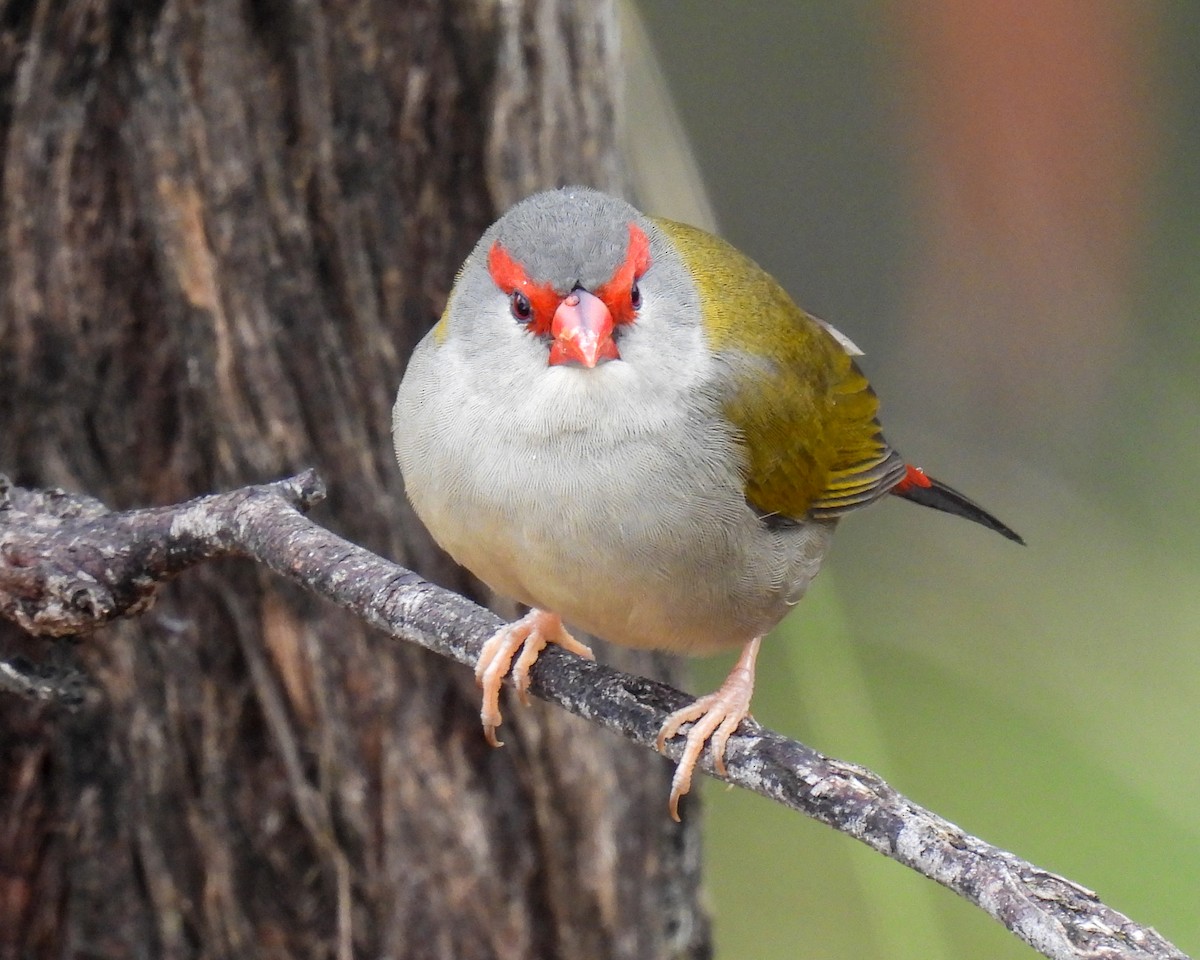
(847, 344)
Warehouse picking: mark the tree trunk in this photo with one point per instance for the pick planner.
(224, 226)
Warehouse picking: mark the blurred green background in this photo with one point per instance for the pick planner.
(1000, 203)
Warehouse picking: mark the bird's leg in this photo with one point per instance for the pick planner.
(530, 635)
(716, 716)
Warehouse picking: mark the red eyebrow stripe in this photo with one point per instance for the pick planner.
(510, 276)
(615, 291)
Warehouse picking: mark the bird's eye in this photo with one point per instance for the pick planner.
(635, 296)
(522, 310)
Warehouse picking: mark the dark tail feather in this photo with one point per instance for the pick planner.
(926, 491)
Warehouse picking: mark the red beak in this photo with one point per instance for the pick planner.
(582, 330)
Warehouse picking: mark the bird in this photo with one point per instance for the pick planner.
(628, 426)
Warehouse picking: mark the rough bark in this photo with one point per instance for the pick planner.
(223, 226)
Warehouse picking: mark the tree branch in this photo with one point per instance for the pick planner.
(67, 565)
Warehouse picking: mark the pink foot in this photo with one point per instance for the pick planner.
(530, 635)
(714, 717)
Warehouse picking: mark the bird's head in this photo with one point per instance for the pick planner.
(566, 278)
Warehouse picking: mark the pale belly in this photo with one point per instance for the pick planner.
(641, 542)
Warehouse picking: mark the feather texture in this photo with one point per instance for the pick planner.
(804, 412)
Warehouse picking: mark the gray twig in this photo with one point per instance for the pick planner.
(68, 565)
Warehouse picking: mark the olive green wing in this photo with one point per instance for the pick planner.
(805, 412)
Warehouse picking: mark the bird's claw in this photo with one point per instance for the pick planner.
(529, 635)
(714, 717)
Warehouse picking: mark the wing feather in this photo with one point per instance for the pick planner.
(807, 416)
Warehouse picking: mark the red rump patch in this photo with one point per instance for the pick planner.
(913, 477)
(616, 292)
(510, 277)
